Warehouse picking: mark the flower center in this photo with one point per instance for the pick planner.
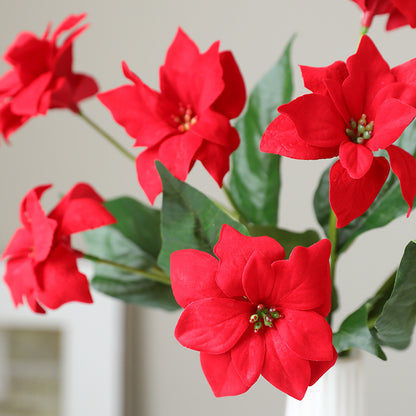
(264, 316)
(185, 119)
(361, 131)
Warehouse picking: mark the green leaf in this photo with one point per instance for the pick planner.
(354, 333)
(255, 176)
(189, 219)
(394, 326)
(288, 239)
(132, 242)
(388, 205)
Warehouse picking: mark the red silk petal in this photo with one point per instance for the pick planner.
(319, 368)
(306, 333)
(355, 158)
(192, 274)
(403, 164)
(232, 100)
(248, 356)
(281, 138)
(304, 281)
(350, 197)
(60, 281)
(19, 245)
(407, 9)
(230, 272)
(221, 374)
(213, 325)
(317, 120)
(283, 368)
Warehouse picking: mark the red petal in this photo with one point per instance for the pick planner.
(67, 24)
(19, 245)
(407, 8)
(213, 325)
(222, 375)
(304, 281)
(403, 164)
(317, 120)
(281, 138)
(232, 100)
(192, 274)
(306, 333)
(248, 356)
(319, 368)
(350, 197)
(234, 250)
(60, 281)
(283, 368)
(183, 51)
(355, 158)
(147, 173)
(405, 72)
(314, 78)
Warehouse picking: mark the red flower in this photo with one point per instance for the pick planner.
(401, 12)
(251, 312)
(189, 119)
(41, 77)
(355, 109)
(41, 264)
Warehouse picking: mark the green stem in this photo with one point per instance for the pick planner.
(363, 31)
(241, 216)
(333, 238)
(154, 273)
(103, 133)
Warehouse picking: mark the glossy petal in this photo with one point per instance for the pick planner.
(285, 369)
(350, 197)
(304, 281)
(281, 138)
(403, 164)
(307, 334)
(213, 325)
(222, 375)
(242, 247)
(185, 264)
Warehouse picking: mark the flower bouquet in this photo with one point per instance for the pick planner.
(258, 299)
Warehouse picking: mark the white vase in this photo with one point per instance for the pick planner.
(339, 392)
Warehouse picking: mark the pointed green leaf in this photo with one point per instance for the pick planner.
(388, 205)
(133, 242)
(354, 333)
(397, 320)
(288, 239)
(189, 219)
(255, 177)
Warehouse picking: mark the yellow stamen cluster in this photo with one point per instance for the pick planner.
(185, 119)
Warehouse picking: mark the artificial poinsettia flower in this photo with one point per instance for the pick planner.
(42, 77)
(41, 264)
(188, 119)
(355, 109)
(400, 12)
(251, 312)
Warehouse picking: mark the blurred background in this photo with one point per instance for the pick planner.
(111, 359)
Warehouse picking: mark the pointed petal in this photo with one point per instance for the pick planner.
(306, 333)
(147, 173)
(403, 164)
(405, 72)
(19, 245)
(407, 8)
(248, 356)
(67, 24)
(213, 325)
(319, 368)
(221, 374)
(304, 281)
(192, 274)
(281, 138)
(355, 158)
(234, 250)
(60, 281)
(350, 197)
(283, 368)
(317, 120)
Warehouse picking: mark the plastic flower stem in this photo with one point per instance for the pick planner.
(103, 133)
(333, 237)
(363, 31)
(152, 273)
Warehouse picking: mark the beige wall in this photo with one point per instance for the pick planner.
(60, 149)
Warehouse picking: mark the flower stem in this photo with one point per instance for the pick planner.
(153, 273)
(333, 237)
(103, 133)
(240, 215)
